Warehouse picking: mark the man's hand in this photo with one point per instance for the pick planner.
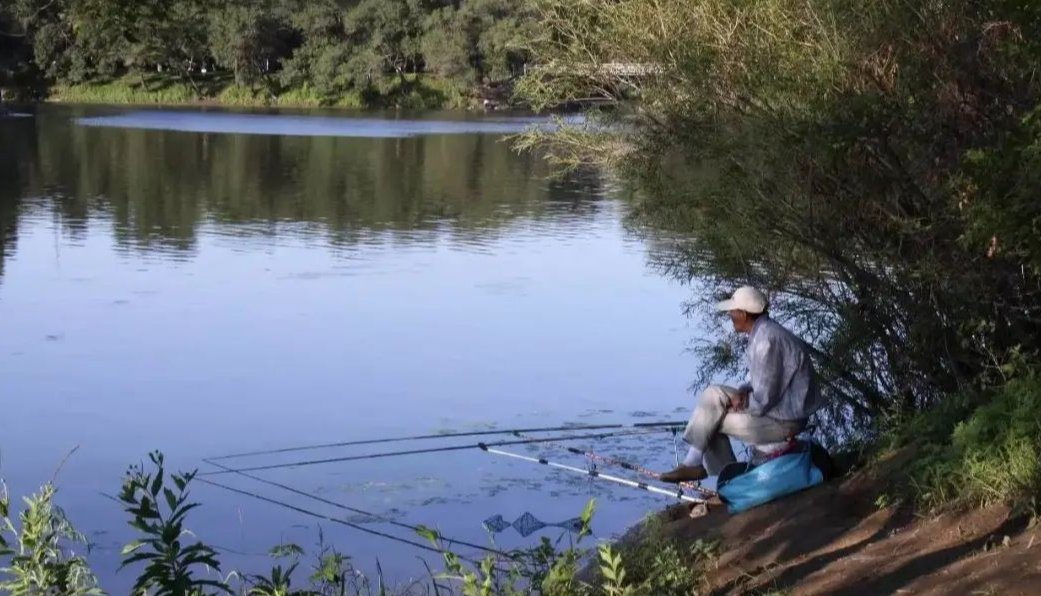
(739, 400)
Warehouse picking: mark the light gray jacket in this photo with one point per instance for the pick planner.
(781, 378)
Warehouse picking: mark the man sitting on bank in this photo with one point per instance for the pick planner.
(774, 404)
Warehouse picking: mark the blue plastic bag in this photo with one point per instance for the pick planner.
(774, 479)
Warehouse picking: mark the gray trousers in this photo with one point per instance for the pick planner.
(713, 424)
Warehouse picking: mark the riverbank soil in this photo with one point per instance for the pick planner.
(839, 539)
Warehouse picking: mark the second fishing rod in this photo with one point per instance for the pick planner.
(457, 435)
(329, 460)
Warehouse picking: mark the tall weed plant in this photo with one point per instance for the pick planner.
(38, 550)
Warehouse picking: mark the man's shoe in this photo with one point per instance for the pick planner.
(685, 474)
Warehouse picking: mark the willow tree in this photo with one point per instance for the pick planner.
(874, 164)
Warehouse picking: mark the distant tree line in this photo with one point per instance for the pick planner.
(330, 47)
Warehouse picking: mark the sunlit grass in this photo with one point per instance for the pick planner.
(416, 92)
(981, 456)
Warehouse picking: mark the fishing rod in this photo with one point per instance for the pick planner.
(481, 433)
(330, 460)
(374, 516)
(679, 494)
(640, 470)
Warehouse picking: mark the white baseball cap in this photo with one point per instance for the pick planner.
(745, 298)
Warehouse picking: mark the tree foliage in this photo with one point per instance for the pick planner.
(333, 46)
(872, 164)
(488, 37)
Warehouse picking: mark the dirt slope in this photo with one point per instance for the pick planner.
(835, 539)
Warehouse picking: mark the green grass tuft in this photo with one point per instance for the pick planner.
(989, 455)
(416, 92)
(308, 97)
(657, 563)
(128, 91)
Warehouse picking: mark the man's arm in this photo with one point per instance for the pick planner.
(766, 369)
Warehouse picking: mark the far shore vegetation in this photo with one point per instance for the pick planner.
(346, 53)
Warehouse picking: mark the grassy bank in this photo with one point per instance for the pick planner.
(975, 450)
(412, 92)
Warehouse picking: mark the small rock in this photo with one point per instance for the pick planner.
(698, 510)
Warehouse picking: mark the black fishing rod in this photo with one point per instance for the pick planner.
(481, 433)
(330, 460)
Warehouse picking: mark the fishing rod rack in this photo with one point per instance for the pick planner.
(490, 441)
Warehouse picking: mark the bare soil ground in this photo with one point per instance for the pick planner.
(836, 539)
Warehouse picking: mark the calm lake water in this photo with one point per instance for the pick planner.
(208, 283)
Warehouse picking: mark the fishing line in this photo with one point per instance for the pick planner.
(330, 460)
(450, 436)
(375, 516)
(676, 448)
(317, 515)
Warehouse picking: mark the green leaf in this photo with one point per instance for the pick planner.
(131, 547)
(282, 551)
(137, 558)
(147, 509)
(432, 536)
(157, 483)
(587, 519)
(182, 512)
(170, 533)
(180, 482)
(171, 499)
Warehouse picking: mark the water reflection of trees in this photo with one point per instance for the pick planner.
(157, 188)
(17, 139)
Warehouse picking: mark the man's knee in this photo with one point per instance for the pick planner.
(714, 395)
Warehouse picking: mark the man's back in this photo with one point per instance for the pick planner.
(784, 384)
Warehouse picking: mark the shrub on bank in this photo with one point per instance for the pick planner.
(976, 450)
